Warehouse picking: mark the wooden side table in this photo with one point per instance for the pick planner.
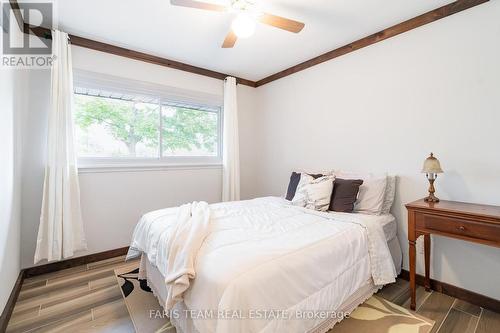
(459, 220)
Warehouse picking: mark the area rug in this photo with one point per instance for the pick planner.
(375, 315)
(145, 311)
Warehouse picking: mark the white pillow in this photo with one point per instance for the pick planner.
(314, 193)
(371, 193)
(390, 191)
(299, 199)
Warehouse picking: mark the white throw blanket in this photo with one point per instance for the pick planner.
(179, 247)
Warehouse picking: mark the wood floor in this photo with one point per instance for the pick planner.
(87, 299)
(451, 315)
(81, 299)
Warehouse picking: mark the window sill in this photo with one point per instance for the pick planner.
(109, 168)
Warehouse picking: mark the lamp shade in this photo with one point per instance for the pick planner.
(431, 165)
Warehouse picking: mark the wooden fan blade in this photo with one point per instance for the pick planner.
(198, 5)
(230, 40)
(281, 22)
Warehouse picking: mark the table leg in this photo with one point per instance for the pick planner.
(427, 254)
(413, 254)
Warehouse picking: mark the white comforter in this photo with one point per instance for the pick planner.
(265, 254)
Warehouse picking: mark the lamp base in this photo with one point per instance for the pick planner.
(431, 198)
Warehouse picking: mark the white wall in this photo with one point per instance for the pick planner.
(10, 181)
(12, 87)
(385, 108)
(247, 117)
(112, 202)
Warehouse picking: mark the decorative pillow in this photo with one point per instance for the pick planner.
(314, 193)
(294, 181)
(299, 198)
(371, 192)
(344, 194)
(292, 185)
(390, 191)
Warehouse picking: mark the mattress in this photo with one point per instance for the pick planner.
(184, 324)
(388, 222)
(262, 254)
(389, 225)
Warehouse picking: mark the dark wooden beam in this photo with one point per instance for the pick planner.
(11, 302)
(120, 51)
(131, 54)
(457, 292)
(395, 30)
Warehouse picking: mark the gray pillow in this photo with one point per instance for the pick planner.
(344, 194)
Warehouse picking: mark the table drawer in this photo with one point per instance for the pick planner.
(459, 226)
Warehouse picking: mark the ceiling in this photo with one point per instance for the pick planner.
(194, 36)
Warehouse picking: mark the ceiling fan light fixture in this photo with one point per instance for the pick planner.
(243, 25)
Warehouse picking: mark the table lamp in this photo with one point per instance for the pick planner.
(431, 169)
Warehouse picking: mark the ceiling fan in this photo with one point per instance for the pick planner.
(248, 14)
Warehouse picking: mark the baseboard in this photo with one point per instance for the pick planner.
(457, 292)
(9, 306)
(63, 264)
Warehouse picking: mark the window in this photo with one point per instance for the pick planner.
(110, 127)
(120, 128)
(188, 131)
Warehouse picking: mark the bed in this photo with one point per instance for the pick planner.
(268, 266)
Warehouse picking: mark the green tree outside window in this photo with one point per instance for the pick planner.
(183, 129)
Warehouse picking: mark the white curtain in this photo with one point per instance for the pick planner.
(231, 155)
(60, 233)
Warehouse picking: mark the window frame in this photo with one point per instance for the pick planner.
(164, 95)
